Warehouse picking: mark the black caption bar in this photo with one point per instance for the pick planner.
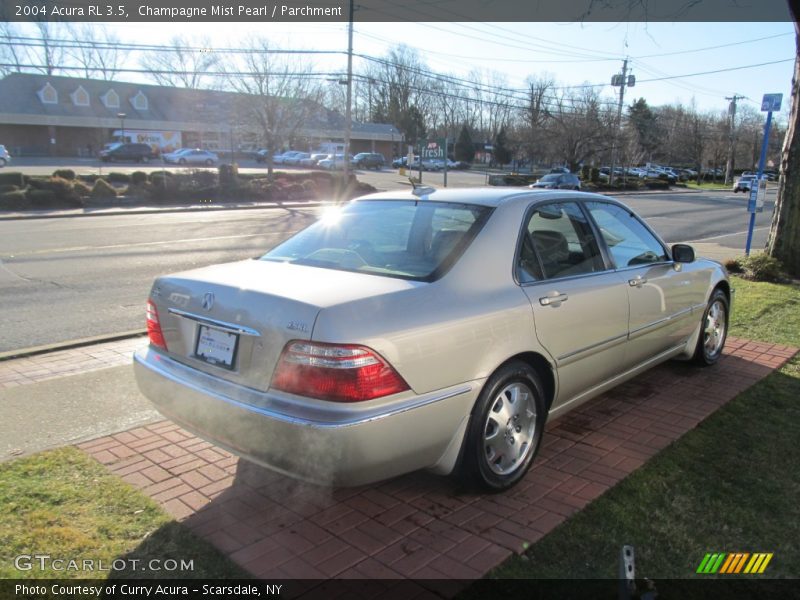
(395, 10)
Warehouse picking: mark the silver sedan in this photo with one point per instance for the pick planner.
(188, 156)
(435, 329)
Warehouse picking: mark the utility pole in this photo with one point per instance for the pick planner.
(348, 126)
(731, 137)
(621, 80)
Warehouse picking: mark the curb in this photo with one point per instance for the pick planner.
(150, 211)
(90, 341)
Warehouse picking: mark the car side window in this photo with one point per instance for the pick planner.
(629, 241)
(557, 242)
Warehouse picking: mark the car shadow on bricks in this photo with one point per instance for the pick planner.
(418, 526)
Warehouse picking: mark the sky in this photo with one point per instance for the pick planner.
(672, 62)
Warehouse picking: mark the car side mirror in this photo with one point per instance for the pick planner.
(682, 253)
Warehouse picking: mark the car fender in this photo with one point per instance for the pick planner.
(716, 275)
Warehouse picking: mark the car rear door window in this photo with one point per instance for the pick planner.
(557, 242)
(630, 243)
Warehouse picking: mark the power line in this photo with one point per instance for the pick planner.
(761, 39)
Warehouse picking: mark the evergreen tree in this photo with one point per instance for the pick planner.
(501, 151)
(465, 148)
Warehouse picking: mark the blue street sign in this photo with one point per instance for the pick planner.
(771, 102)
(751, 203)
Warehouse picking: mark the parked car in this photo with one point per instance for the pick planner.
(280, 159)
(129, 152)
(295, 158)
(191, 156)
(313, 160)
(369, 160)
(5, 157)
(745, 183)
(340, 357)
(558, 181)
(334, 161)
(428, 164)
(636, 172)
(262, 155)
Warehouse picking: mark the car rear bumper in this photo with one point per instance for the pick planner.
(330, 443)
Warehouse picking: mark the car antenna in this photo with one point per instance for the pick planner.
(420, 190)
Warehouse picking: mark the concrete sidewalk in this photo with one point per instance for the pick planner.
(106, 211)
(67, 396)
(417, 526)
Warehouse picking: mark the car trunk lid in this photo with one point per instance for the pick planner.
(233, 320)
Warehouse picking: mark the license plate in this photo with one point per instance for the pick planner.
(216, 346)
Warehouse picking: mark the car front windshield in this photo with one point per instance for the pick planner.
(549, 178)
(417, 240)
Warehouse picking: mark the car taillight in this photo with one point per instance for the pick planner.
(154, 327)
(339, 373)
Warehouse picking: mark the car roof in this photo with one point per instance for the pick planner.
(485, 196)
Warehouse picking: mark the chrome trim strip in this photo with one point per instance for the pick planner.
(565, 278)
(171, 369)
(617, 338)
(240, 329)
(660, 323)
(644, 265)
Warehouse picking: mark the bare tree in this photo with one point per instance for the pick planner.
(580, 128)
(95, 49)
(535, 115)
(400, 93)
(51, 52)
(182, 65)
(42, 52)
(280, 96)
(12, 55)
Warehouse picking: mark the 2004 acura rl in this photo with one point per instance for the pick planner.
(425, 329)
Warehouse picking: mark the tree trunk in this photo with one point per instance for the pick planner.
(784, 233)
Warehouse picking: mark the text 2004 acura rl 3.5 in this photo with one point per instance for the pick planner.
(425, 329)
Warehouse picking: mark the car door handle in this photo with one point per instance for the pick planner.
(553, 300)
(638, 282)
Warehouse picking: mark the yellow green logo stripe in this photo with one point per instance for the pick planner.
(730, 563)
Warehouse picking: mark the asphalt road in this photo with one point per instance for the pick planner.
(69, 278)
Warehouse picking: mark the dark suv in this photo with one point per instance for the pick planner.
(558, 181)
(134, 152)
(369, 160)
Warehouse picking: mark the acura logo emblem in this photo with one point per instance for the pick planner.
(208, 300)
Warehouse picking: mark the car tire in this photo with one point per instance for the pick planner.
(2, 162)
(182, 161)
(209, 162)
(145, 159)
(510, 414)
(713, 330)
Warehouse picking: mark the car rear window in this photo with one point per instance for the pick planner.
(417, 240)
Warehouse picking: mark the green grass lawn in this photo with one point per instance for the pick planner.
(64, 504)
(730, 485)
(708, 185)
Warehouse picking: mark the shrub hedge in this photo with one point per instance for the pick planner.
(103, 190)
(12, 178)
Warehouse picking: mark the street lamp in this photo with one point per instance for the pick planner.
(122, 116)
